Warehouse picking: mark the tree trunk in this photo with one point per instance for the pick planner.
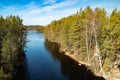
(87, 43)
(97, 52)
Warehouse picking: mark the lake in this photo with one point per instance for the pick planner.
(43, 61)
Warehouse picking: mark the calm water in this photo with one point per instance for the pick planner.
(44, 62)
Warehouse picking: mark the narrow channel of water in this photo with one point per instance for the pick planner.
(44, 62)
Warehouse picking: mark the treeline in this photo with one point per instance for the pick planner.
(90, 35)
(12, 41)
(37, 28)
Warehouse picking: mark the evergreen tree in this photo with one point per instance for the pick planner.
(12, 41)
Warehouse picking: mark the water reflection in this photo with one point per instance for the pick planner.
(69, 67)
(43, 61)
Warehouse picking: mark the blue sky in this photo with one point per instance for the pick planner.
(42, 12)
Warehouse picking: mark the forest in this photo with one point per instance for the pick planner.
(92, 36)
(12, 42)
(37, 28)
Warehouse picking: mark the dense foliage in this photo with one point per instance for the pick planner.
(91, 35)
(12, 41)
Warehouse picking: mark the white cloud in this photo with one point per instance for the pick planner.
(48, 17)
(52, 7)
(49, 1)
(44, 15)
(34, 14)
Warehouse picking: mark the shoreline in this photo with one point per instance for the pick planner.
(79, 62)
(113, 74)
(88, 65)
(107, 75)
(76, 59)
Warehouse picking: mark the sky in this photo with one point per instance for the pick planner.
(42, 12)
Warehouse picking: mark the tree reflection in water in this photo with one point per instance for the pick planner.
(69, 67)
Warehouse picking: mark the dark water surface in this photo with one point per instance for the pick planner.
(44, 62)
